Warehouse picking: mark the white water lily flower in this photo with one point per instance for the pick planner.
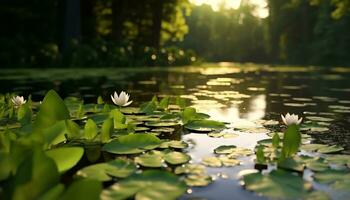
(122, 99)
(18, 101)
(290, 119)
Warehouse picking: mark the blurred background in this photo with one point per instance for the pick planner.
(111, 33)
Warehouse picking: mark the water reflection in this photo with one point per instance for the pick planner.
(239, 95)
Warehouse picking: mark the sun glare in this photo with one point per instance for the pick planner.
(261, 5)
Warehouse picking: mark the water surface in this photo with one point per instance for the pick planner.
(242, 95)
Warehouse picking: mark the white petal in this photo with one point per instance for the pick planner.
(115, 95)
(113, 99)
(122, 97)
(287, 115)
(299, 121)
(127, 103)
(284, 120)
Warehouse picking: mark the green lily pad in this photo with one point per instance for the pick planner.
(130, 110)
(222, 135)
(164, 130)
(317, 165)
(312, 147)
(322, 148)
(331, 176)
(196, 180)
(291, 164)
(141, 129)
(212, 162)
(161, 124)
(65, 157)
(220, 161)
(277, 184)
(339, 159)
(232, 151)
(83, 189)
(319, 195)
(176, 158)
(204, 125)
(150, 184)
(174, 144)
(330, 149)
(150, 160)
(132, 143)
(229, 162)
(225, 149)
(105, 171)
(320, 119)
(190, 169)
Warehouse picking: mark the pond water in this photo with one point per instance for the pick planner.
(246, 96)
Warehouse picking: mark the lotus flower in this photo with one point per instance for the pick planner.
(122, 99)
(290, 119)
(18, 101)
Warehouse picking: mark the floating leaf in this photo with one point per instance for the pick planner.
(132, 143)
(65, 157)
(225, 149)
(105, 171)
(150, 184)
(196, 180)
(291, 164)
(204, 125)
(190, 169)
(86, 189)
(176, 158)
(322, 148)
(277, 184)
(161, 124)
(330, 149)
(174, 144)
(331, 176)
(212, 162)
(229, 162)
(150, 160)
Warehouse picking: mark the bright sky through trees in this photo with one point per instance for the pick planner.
(261, 5)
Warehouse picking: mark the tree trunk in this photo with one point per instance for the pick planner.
(118, 18)
(157, 23)
(88, 18)
(71, 25)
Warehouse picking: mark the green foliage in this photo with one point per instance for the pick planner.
(106, 130)
(204, 125)
(84, 189)
(131, 144)
(24, 114)
(65, 158)
(28, 183)
(118, 119)
(51, 111)
(105, 171)
(164, 186)
(291, 141)
(90, 130)
(278, 184)
(260, 157)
